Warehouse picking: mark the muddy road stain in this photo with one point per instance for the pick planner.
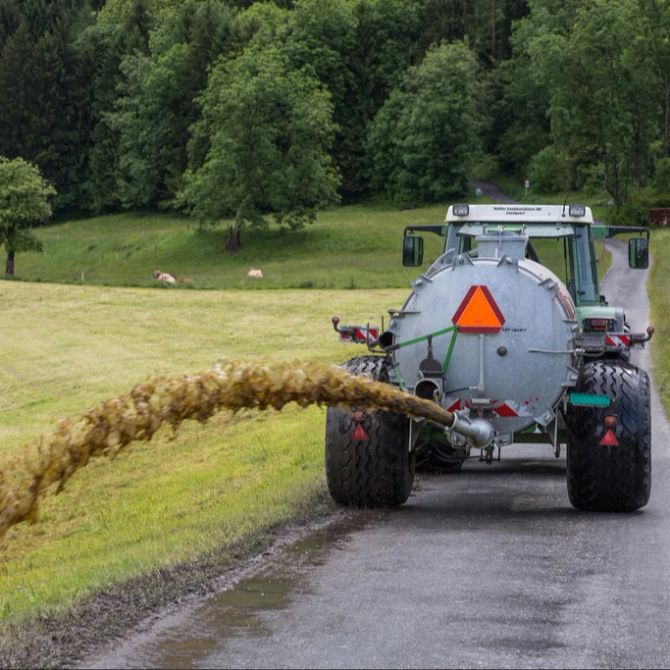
(187, 638)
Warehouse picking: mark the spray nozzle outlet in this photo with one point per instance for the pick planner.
(479, 432)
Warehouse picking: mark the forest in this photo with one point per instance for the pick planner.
(251, 110)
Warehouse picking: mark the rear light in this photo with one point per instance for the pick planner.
(609, 437)
(599, 325)
(609, 420)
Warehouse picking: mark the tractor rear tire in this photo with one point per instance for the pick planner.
(373, 472)
(610, 478)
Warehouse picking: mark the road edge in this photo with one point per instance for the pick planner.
(66, 638)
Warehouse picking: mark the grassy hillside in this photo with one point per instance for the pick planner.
(66, 348)
(348, 247)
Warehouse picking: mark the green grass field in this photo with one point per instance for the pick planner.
(350, 247)
(599, 203)
(357, 246)
(66, 348)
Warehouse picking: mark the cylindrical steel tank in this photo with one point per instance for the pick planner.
(494, 332)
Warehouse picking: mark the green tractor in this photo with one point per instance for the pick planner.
(507, 330)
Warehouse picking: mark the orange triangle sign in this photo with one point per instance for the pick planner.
(478, 312)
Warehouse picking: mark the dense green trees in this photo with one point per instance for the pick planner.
(599, 79)
(146, 103)
(428, 132)
(269, 131)
(159, 100)
(24, 201)
(585, 94)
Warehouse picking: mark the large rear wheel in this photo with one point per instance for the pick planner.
(378, 470)
(611, 478)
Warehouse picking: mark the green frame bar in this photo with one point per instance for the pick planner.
(423, 338)
(450, 350)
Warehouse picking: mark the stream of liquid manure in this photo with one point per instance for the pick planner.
(108, 428)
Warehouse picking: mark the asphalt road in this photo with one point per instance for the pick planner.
(487, 568)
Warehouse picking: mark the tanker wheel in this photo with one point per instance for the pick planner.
(373, 472)
(610, 478)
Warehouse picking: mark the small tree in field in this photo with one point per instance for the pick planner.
(24, 200)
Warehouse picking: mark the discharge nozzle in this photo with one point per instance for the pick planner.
(478, 432)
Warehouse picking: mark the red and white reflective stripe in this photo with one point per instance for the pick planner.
(506, 410)
(511, 409)
(361, 333)
(618, 341)
(357, 333)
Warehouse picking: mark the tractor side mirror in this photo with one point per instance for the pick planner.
(638, 253)
(412, 250)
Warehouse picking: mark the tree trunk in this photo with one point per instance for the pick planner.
(666, 119)
(9, 264)
(233, 244)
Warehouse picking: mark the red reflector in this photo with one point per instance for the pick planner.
(609, 439)
(359, 433)
(609, 421)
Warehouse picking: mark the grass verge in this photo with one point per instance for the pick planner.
(176, 498)
(659, 303)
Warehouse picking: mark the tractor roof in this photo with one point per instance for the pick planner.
(519, 214)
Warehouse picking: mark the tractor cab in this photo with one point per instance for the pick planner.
(559, 237)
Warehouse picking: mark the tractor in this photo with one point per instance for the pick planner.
(506, 330)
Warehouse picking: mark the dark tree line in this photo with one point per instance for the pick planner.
(246, 109)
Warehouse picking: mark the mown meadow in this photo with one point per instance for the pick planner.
(67, 348)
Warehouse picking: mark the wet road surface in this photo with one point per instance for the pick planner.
(487, 568)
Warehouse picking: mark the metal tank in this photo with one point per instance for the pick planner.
(490, 331)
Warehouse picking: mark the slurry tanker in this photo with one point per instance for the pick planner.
(507, 330)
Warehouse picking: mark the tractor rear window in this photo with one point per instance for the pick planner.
(570, 256)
